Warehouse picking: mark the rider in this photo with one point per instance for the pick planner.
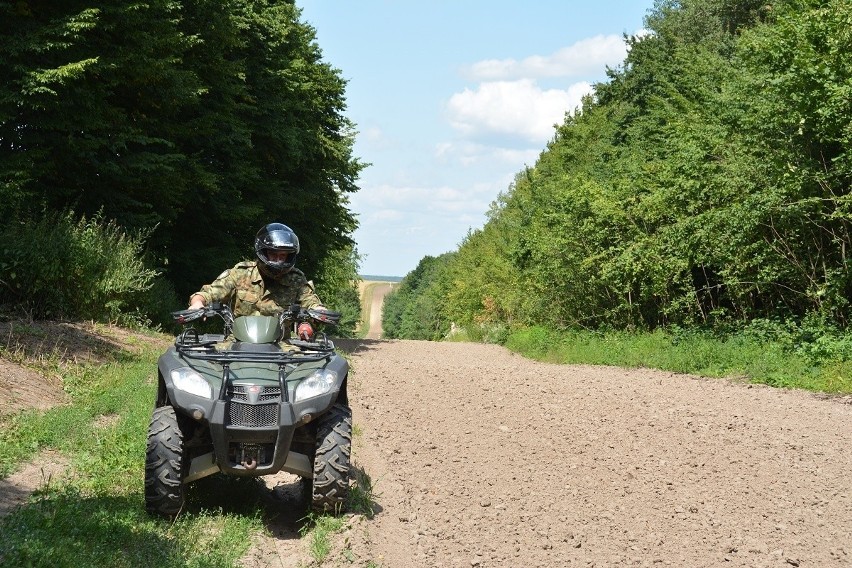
(265, 286)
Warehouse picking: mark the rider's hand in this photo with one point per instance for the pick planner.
(196, 302)
(305, 331)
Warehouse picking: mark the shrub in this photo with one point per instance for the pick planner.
(63, 267)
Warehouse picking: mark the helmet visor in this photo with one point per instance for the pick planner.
(280, 239)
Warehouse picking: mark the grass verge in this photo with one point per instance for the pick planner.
(320, 530)
(736, 356)
(96, 516)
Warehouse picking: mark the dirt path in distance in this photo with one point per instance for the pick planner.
(374, 302)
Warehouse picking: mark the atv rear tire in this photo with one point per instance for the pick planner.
(331, 461)
(166, 464)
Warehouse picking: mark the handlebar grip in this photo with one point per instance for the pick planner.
(183, 316)
(324, 315)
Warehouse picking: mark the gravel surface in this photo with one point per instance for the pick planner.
(480, 457)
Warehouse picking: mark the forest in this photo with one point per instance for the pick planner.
(143, 144)
(705, 184)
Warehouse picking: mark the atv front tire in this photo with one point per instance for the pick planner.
(166, 464)
(331, 460)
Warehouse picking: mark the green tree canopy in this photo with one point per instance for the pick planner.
(201, 119)
(706, 182)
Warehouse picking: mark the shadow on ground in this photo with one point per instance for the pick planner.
(350, 346)
(73, 342)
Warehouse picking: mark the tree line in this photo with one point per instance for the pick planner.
(179, 127)
(705, 183)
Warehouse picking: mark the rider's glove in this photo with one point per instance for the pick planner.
(305, 331)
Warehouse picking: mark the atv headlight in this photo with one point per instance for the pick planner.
(318, 383)
(187, 380)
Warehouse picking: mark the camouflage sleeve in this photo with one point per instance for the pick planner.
(308, 297)
(220, 290)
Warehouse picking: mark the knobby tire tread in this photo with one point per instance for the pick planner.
(164, 463)
(332, 460)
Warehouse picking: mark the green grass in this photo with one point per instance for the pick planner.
(362, 497)
(319, 529)
(737, 356)
(96, 516)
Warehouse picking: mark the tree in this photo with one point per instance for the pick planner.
(202, 119)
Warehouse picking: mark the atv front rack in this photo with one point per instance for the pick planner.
(203, 348)
(191, 344)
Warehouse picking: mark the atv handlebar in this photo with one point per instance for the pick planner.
(190, 315)
(294, 313)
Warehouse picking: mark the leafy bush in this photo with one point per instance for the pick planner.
(814, 338)
(63, 267)
(770, 353)
(337, 287)
(415, 308)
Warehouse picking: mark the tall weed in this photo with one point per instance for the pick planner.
(64, 267)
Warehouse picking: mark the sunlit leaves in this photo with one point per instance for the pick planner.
(708, 182)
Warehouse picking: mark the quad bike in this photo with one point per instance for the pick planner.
(250, 402)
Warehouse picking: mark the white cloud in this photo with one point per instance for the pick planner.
(515, 108)
(386, 215)
(471, 154)
(373, 134)
(587, 56)
(374, 139)
(389, 203)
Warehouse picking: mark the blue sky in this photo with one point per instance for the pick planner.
(451, 99)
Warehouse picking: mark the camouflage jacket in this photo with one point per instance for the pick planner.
(243, 288)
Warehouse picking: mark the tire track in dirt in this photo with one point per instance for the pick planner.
(480, 457)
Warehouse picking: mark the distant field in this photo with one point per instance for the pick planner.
(373, 278)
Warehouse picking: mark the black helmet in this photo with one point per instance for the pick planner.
(276, 237)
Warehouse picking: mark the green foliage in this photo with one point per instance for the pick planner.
(319, 530)
(204, 120)
(59, 266)
(413, 310)
(337, 286)
(117, 533)
(362, 496)
(747, 355)
(705, 185)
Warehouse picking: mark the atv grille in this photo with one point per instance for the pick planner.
(256, 415)
(253, 405)
(267, 394)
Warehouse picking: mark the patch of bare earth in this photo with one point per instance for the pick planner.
(48, 467)
(33, 357)
(480, 457)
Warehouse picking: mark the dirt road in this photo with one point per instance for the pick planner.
(482, 458)
(479, 457)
